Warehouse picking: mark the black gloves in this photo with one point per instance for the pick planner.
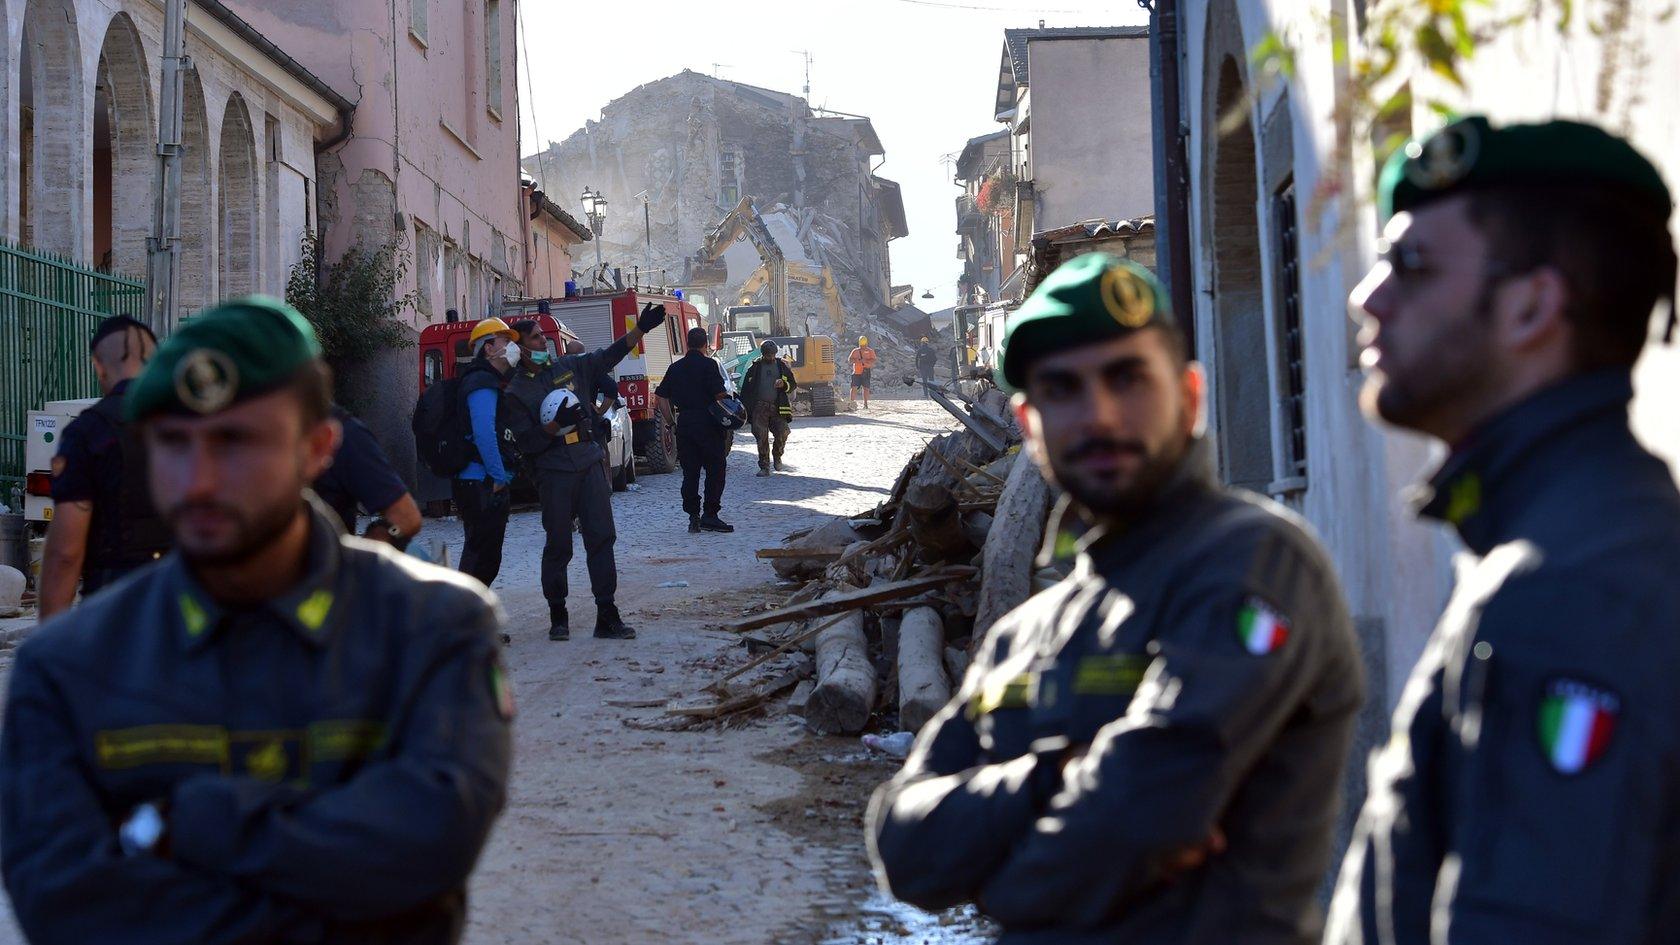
(652, 317)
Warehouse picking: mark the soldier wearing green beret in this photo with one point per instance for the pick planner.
(1152, 750)
(275, 734)
(1529, 788)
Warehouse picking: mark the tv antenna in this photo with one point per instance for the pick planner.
(806, 53)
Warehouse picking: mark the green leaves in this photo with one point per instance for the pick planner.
(353, 303)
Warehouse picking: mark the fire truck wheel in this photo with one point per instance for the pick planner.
(661, 452)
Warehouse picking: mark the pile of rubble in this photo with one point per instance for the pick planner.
(893, 600)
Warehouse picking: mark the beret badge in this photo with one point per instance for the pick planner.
(206, 380)
(1128, 300)
(1445, 158)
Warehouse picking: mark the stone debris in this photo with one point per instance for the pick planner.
(894, 599)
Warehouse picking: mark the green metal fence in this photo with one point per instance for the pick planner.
(49, 307)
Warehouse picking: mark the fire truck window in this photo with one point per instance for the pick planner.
(433, 366)
(462, 354)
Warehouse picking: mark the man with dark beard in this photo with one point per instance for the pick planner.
(275, 734)
(1152, 750)
(1529, 791)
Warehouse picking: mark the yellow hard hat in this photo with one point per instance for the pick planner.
(863, 341)
(491, 326)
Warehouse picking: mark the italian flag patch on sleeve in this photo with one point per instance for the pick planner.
(1261, 628)
(1576, 723)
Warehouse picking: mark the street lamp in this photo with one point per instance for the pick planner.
(595, 208)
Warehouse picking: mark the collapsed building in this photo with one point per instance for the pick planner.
(674, 158)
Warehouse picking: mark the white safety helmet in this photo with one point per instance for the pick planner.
(563, 404)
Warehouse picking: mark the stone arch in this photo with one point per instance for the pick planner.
(236, 202)
(193, 290)
(52, 146)
(124, 152)
(1231, 239)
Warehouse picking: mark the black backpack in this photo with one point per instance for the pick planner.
(441, 428)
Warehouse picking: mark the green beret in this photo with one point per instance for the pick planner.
(226, 354)
(1470, 154)
(1089, 298)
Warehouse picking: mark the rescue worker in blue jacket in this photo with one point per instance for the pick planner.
(361, 475)
(1152, 750)
(572, 484)
(1529, 790)
(275, 734)
(481, 489)
(103, 524)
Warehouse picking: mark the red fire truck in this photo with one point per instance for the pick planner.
(598, 321)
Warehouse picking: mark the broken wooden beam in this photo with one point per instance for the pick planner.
(809, 554)
(747, 700)
(853, 600)
(844, 695)
(923, 688)
(785, 646)
(1012, 544)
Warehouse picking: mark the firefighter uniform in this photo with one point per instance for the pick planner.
(771, 417)
(1196, 673)
(1529, 788)
(328, 762)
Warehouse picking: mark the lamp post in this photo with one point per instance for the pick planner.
(647, 229)
(595, 208)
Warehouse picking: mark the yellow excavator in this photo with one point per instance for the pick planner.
(746, 326)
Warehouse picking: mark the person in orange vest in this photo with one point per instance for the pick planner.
(863, 360)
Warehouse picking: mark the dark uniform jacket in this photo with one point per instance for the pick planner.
(1531, 791)
(583, 374)
(331, 762)
(692, 384)
(1206, 658)
(104, 464)
(360, 473)
(784, 397)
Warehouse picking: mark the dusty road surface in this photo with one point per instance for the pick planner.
(746, 831)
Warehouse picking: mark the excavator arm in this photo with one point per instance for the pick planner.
(744, 221)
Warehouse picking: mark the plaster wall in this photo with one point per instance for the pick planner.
(281, 137)
(1395, 572)
(1091, 146)
(431, 165)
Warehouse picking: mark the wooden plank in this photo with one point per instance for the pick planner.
(744, 701)
(853, 600)
(786, 645)
(808, 554)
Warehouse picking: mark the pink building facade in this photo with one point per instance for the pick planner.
(553, 238)
(432, 162)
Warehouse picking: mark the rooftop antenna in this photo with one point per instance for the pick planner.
(808, 59)
(716, 66)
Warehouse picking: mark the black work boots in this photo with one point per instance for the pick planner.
(610, 626)
(711, 523)
(558, 626)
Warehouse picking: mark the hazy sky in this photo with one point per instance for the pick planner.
(924, 70)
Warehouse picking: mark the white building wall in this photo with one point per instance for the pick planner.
(1395, 571)
(222, 74)
(1092, 154)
